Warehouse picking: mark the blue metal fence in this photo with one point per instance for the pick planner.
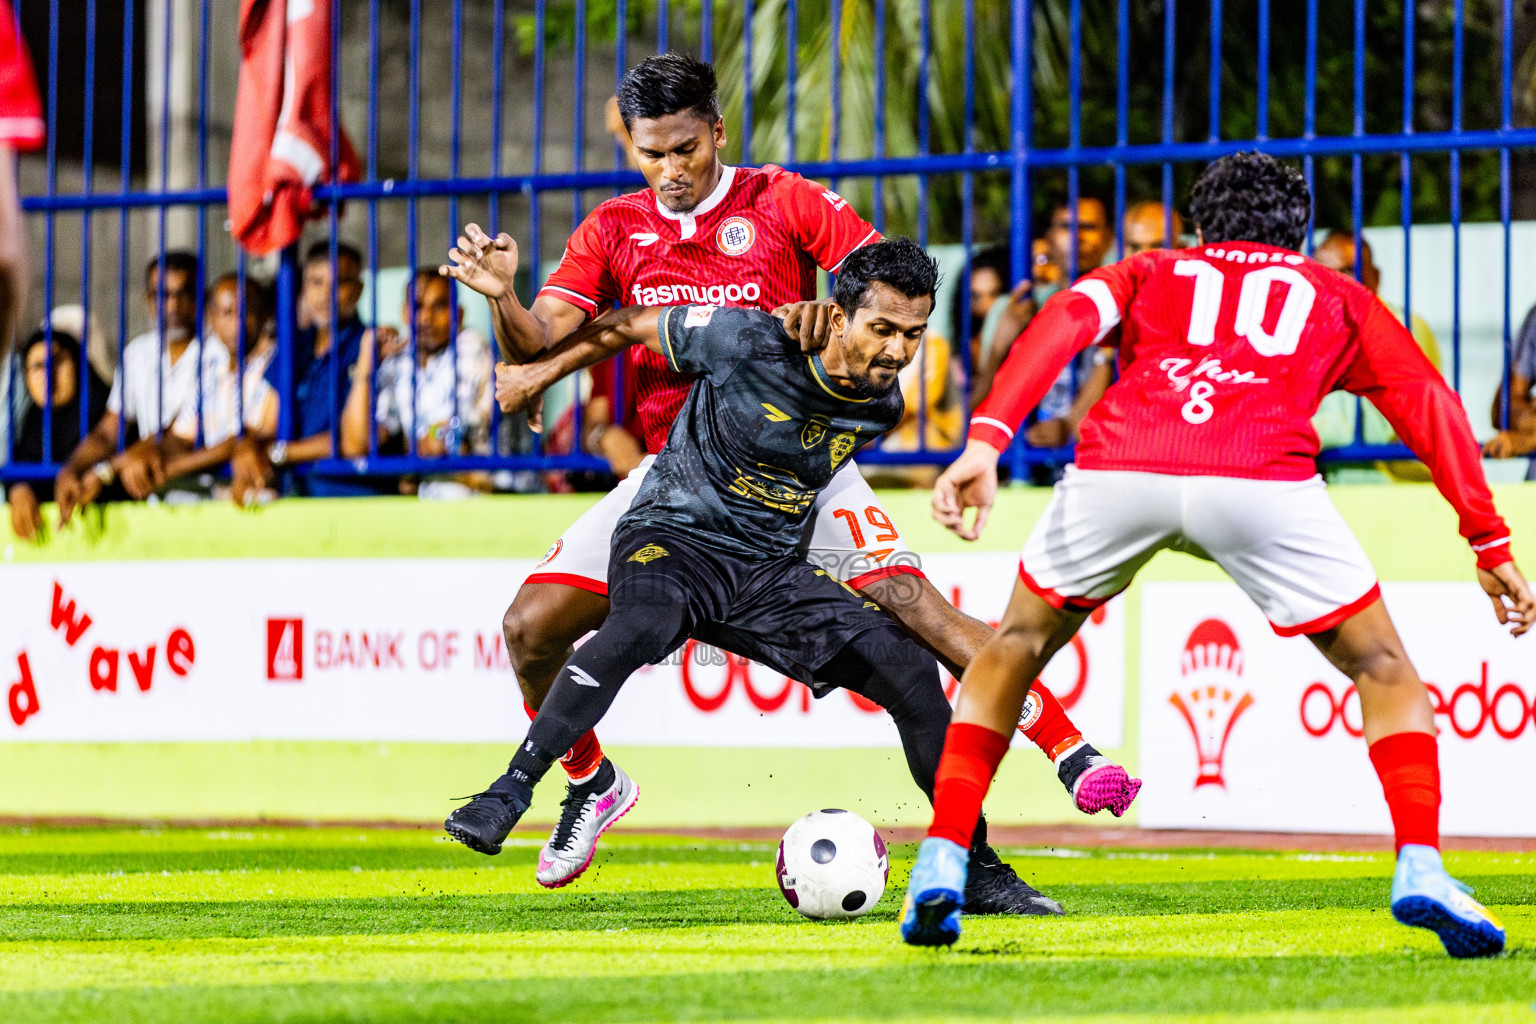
(553, 56)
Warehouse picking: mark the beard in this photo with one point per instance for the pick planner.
(870, 386)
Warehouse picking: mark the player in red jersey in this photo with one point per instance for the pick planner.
(1205, 445)
(705, 233)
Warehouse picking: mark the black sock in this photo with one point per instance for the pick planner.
(524, 772)
(600, 780)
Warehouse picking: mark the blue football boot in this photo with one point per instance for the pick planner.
(1424, 896)
(931, 914)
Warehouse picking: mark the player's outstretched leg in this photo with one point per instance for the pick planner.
(991, 697)
(1399, 726)
(1094, 782)
(541, 625)
(886, 667)
(633, 635)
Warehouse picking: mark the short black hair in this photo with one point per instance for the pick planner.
(898, 262)
(320, 252)
(1251, 197)
(668, 83)
(175, 259)
(425, 274)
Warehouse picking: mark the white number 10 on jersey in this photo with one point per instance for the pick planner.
(1252, 306)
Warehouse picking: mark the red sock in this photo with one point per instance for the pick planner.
(584, 756)
(1409, 766)
(1046, 723)
(971, 756)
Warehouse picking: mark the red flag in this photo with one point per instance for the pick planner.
(282, 138)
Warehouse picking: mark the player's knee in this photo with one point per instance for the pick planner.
(533, 632)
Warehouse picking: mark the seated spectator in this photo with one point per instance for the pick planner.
(25, 497)
(1335, 418)
(442, 402)
(259, 455)
(1518, 437)
(989, 283)
(1145, 227)
(232, 403)
(157, 380)
(619, 439)
(1055, 256)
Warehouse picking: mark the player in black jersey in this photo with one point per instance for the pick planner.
(709, 548)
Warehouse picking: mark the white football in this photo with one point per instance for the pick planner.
(832, 864)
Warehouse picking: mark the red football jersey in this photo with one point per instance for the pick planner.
(1225, 352)
(21, 112)
(756, 242)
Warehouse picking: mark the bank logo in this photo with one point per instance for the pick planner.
(736, 236)
(1212, 696)
(285, 650)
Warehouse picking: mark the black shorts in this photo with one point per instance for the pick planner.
(782, 612)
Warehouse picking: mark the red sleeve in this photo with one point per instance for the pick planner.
(1392, 372)
(583, 278)
(1069, 322)
(821, 222)
(21, 112)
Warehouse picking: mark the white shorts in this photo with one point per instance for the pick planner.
(851, 536)
(1282, 541)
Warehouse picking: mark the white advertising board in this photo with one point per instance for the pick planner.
(410, 650)
(1243, 729)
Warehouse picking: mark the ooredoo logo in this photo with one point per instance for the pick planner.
(1212, 697)
(1472, 709)
(285, 650)
(736, 236)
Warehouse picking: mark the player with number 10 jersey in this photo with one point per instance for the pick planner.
(1205, 445)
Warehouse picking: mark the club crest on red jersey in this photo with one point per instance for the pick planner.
(736, 236)
(1212, 696)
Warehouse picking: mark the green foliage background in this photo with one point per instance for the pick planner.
(1384, 33)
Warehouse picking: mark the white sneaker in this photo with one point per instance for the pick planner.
(586, 813)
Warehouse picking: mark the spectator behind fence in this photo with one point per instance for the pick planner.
(932, 381)
(257, 458)
(158, 379)
(606, 433)
(445, 403)
(233, 399)
(1335, 418)
(619, 443)
(1145, 227)
(24, 496)
(1519, 436)
(1054, 258)
(988, 284)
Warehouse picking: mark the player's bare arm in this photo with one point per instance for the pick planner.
(489, 265)
(518, 386)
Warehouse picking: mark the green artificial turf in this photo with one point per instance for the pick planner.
(341, 924)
